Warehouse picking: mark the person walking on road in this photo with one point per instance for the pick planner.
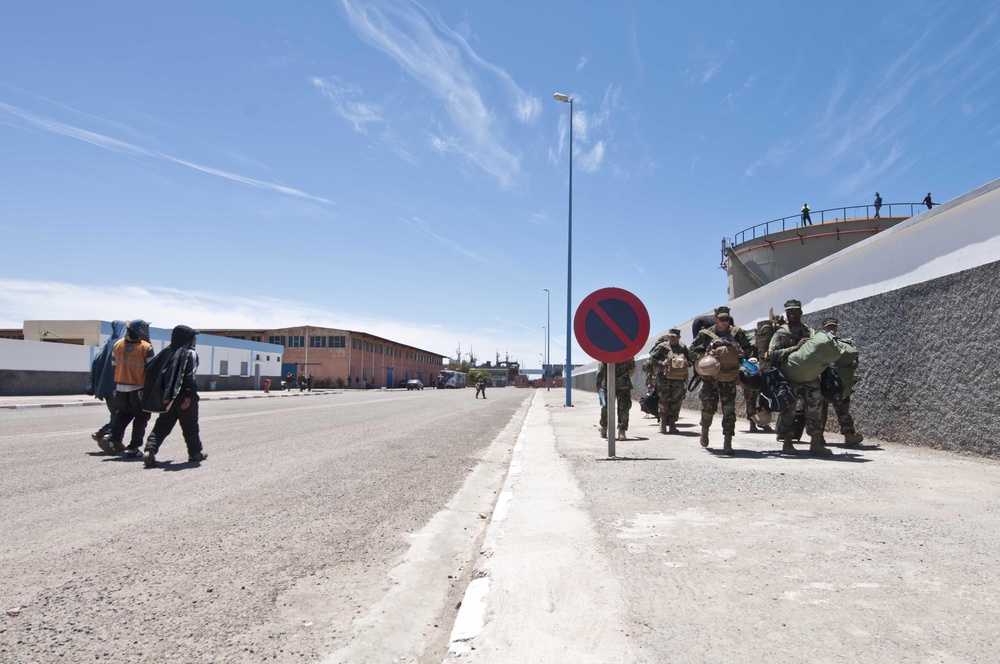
(480, 387)
(172, 391)
(130, 356)
(101, 381)
(786, 340)
(729, 345)
(623, 394)
(806, 219)
(842, 404)
(671, 359)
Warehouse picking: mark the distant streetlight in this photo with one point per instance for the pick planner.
(548, 333)
(568, 371)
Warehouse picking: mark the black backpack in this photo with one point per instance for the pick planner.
(831, 385)
(775, 389)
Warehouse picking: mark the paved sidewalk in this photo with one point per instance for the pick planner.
(673, 552)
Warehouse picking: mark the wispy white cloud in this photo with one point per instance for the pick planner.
(348, 102)
(590, 160)
(581, 63)
(736, 97)
(442, 62)
(775, 156)
(420, 227)
(27, 119)
(705, 63)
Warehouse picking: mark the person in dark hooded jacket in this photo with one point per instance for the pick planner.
(101, 381)
(131, 354)
(170, 389)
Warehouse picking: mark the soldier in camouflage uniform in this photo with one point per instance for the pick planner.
(842, 405)
(786, 340)
(713, 389)
(671, 359)
(623, 394)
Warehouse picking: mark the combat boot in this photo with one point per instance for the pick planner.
(672, 429)
(753, 427)
(604, 431)
(817, 446)
(787, 447)
(704, 436)
(663, 426)
(621, 434)
(727, 443)
(852, 439)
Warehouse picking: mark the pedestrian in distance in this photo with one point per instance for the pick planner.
(172, 391)
(878, 205)
(806, 219)
(130, 356)
(101, 380)
(927, 201)
(480, 387)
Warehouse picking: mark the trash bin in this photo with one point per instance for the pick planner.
(267, 385)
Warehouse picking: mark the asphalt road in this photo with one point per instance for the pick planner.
(338, 527)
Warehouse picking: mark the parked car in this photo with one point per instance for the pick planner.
(403, 383)
(414, 384)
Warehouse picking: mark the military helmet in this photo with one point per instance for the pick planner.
(707, 366)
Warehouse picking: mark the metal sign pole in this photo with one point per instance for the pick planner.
(612, 411)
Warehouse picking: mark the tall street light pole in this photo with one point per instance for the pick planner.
(548, 334)
(568, 371)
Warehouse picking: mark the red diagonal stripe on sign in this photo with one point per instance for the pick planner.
(611, 324)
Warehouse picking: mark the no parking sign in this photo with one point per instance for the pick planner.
(611, 325)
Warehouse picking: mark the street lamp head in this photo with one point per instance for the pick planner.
(563, 98)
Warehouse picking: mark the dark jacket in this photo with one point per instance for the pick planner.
(101, 381)
(171, 374)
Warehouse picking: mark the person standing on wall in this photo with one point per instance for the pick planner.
(927, 201)
(878, 204)
(806, 219)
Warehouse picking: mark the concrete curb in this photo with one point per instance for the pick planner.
(471, 615)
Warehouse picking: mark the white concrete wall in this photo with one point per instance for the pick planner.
(20, 355)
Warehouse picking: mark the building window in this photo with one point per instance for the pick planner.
(356, 344)
(277, 341)
(366, 346)
(256, 338)
(223, 367)
(244, 368)
(296, 341)
(317, 342)
(338, 342)
(379, 348)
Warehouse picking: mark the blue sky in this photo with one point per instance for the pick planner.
(402, 168)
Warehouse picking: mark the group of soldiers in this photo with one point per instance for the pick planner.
(668, 370)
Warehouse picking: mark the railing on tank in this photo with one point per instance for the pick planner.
(821, 216)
